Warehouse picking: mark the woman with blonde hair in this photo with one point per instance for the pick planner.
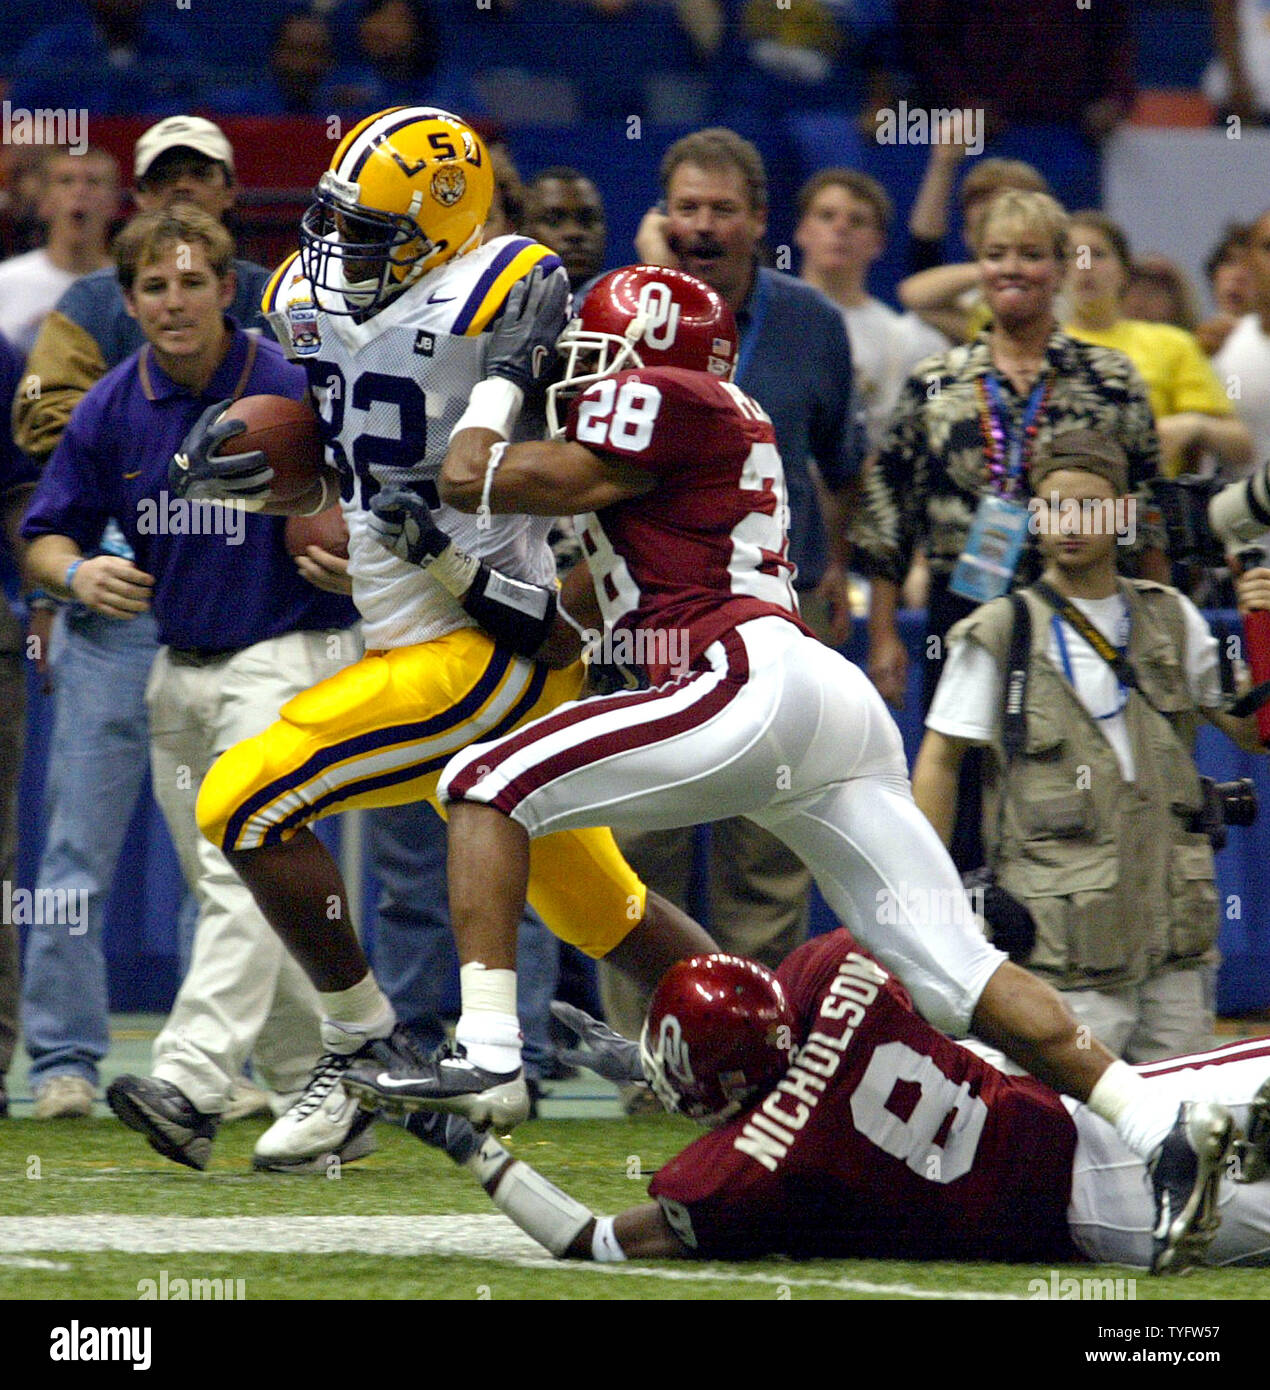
(951, 471)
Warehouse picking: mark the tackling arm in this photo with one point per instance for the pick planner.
(537, 478)
(550, 1216)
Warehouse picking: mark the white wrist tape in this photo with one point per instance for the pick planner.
(454, 570)
(604, 1247)
(493, 405)
(491, 467)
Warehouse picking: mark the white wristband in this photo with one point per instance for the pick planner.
(493, 405)
(605, 1249)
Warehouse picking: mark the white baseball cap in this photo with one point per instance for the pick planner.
(182, 133)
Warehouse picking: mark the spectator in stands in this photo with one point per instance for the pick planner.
(1160, 291)
(79, 202)
(950, 297)
(964, 431)
(398, 41)
(843, 221)
(802, 82)
(1243, 363)
(1238, 78)
(117, 58)
(1193, 417)
(22, 174)
(795, 360)
(17, 478)
(1231, 286)
(1023, 62)
(507, 210)
(564, 210)
(100, 737)
(241, 634)
(303, 78)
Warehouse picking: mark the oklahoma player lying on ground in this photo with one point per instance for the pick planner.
(849, 1127)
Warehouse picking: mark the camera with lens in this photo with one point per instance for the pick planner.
(1204, 522)
(1225, 803)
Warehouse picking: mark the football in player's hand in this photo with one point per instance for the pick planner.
(288, 434)
(327, 529)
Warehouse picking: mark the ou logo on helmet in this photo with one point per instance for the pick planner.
(658, 313)
(673, 1050)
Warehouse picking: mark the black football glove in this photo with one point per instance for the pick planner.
(401, 521)
(522, 343)
(201, 473)
(599, 1049)
(1009, 920)
(452, 1134)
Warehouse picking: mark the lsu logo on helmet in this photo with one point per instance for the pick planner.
(408, 189)
(448, 185)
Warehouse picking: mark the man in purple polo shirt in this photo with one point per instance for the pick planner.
(241, 634)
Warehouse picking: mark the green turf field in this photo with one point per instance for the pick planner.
(98, 1213)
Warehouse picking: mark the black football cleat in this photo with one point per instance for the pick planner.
(399, 1081)
(1186, 1173)
(168, 1120)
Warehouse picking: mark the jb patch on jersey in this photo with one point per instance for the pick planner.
(389, 390)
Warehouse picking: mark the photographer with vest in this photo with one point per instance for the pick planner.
(1087, 690)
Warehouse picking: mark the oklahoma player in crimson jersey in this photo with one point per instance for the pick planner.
(680, 494)
(848, 1127)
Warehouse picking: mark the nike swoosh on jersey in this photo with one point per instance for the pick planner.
(128, 477)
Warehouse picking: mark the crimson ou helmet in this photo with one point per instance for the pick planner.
(719, 1033)
(642, 316)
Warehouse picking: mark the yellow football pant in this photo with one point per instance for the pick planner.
(380, 732)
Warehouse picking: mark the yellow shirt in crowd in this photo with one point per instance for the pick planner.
(1177, 374)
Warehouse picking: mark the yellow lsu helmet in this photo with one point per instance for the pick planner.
(408, 189)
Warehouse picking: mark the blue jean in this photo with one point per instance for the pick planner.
(414, 957)
(99, 754)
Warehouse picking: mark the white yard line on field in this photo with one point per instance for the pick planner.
(491, 1237)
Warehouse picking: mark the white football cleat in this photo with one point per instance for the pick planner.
(324, 1122)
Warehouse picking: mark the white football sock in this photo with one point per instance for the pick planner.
(352, 1016)
(1141, 1113)
(488, 1029)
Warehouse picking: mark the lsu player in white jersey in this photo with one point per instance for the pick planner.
(410, 328)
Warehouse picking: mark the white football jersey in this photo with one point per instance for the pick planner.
(389, 391)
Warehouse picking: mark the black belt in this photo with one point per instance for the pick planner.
(201, 656)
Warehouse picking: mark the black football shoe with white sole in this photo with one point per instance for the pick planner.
(166, 1117)
(399, 1081)
(1186, 1172)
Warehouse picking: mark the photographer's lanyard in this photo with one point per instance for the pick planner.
(1122, 651)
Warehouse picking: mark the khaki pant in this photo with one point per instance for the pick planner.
(1167, 1015)
(758, 900)
(13, 703)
